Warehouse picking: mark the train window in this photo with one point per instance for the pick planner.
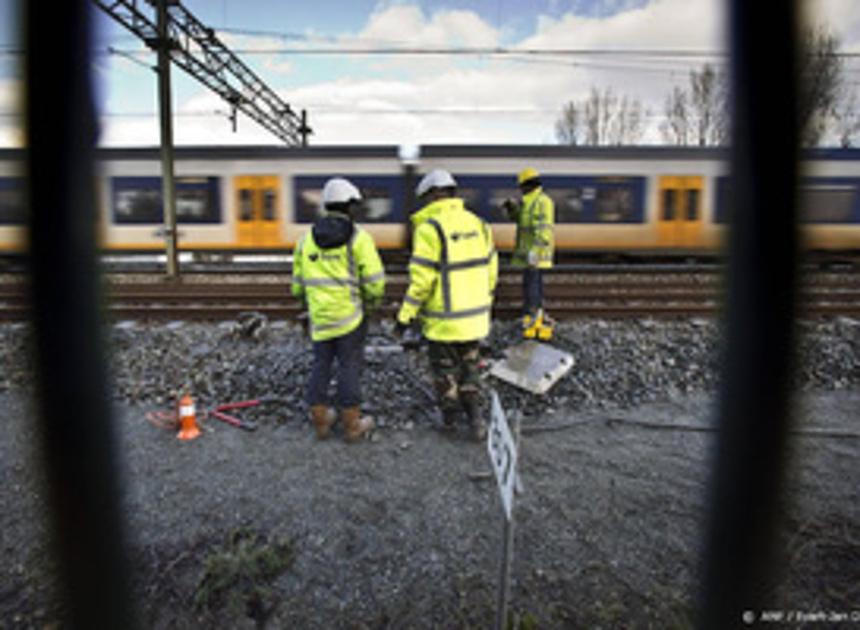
(12, 201)
(198, 200)
(269, 200)
(471, 199)
(193, 200)
(308, 205)
(820, 200)
(692, 205)
(614, 204)
(605, 199)
(377, 206)
(246, 204)
(135, 204)
(669, 204)
(570, 204)
(829, 203)
(494, 211)
(138, 200)
(382, 197)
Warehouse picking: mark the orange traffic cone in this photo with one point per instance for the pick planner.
(187, 419)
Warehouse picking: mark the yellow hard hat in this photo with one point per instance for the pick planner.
(526, 174)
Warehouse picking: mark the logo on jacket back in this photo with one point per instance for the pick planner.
(316, 256)
(456, 236)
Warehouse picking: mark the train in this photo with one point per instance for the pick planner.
(608, 200)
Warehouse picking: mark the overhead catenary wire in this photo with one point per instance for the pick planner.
(195, 48)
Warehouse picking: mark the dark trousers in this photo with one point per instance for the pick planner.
(532, 290)
(348, 350)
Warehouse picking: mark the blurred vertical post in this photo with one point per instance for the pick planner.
(168, 185)
(754, 405)
(410, 156)
(304, 130)
(78, 450)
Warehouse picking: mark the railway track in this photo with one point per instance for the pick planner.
(610, 294)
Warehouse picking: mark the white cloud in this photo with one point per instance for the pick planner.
(272, 63)
(661, 23)
(534, 83)
(407, 24)
(388, 103)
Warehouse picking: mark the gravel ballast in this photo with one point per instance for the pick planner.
(273, 529)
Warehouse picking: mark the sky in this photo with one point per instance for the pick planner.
(310, 55)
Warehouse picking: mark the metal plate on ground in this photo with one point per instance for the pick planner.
(533, 366)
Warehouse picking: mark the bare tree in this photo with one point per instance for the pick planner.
(626, 125)
(823, 97)
(708, 90)
(847, 120)
(697, 114)
(596, 108)
(676, 128)
(601, 118)
(568, 126)
(826, 108)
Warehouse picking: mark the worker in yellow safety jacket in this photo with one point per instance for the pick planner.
(452, 277)
(338, 274)
(535, 216)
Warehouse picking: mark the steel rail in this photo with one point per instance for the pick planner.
(821, 297)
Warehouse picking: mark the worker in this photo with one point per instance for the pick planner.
(338, 275)
(534, 216)
(452, 276)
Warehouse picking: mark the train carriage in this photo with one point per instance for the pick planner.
(619, 200)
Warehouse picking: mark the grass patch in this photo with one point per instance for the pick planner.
(238, 577)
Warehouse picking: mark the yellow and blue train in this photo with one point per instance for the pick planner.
(620, 200)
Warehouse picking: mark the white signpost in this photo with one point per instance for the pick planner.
(503, 453)
(502, 447)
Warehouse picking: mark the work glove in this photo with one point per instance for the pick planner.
(408, 337)
(400, 329)
(509, 206)
(304, 319)
(532, 258)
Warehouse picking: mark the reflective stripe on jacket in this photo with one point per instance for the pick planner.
(452, 273)
(337, 283)
(534, 230)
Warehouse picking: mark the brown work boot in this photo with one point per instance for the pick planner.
(477, 424)
(354, 424)
(478, 429)
(323, 418)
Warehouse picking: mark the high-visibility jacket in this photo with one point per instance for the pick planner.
(535, 219)
(337, 276)
(452, 273)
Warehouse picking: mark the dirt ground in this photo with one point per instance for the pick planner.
(273, 529)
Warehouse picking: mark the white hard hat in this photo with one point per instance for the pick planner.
(437, 178)
(339, 190)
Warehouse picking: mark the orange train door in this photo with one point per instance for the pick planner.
(258, 223)
(679, 219)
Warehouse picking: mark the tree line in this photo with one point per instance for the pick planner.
(696, 114)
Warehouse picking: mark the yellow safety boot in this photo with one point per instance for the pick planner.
(322, 417)
(546, 328)
(531, 325)
(354, 424)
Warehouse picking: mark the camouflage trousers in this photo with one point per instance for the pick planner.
(456, 377)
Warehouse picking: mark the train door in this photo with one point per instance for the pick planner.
(258, 223)
(679, 221)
